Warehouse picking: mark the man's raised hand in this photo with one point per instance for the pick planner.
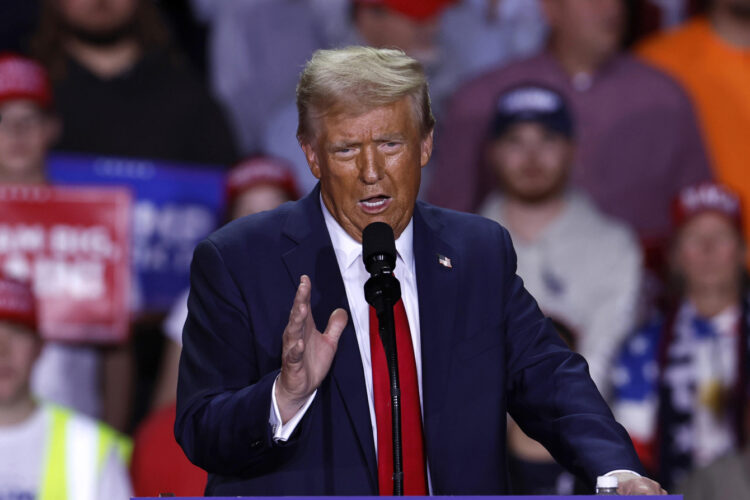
(306, 354)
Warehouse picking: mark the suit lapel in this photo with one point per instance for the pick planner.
(437, 287)
(312, 253)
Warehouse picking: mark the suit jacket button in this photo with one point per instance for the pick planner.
(256, 444)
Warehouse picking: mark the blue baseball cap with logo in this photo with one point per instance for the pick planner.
(532, 103)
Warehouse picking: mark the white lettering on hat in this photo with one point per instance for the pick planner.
(709, 196)
(530, 99)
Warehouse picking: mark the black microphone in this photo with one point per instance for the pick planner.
(382, 291)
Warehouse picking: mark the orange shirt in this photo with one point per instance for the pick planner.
(717, 77)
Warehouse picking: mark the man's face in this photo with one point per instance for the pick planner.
(593, 27)
(531, 162)
(369, 165)
(26, 133)
(19, 349)
(97, 17)
(709, 252)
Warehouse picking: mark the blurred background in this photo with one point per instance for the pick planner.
(611, 137)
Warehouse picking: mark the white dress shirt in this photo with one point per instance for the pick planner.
(349, 258)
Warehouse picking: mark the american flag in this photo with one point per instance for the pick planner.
(444, 261)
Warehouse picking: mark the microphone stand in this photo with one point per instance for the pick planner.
(382, 291)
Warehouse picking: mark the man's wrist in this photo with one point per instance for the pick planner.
(287, 404)
(283, 431)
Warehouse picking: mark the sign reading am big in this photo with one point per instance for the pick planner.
(74, 244)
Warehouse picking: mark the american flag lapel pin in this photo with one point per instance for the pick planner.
(444, 261)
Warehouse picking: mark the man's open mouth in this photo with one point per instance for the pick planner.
(375, 204)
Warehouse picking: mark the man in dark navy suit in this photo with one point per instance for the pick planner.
(270, 405)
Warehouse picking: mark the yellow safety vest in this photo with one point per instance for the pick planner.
(77, 448)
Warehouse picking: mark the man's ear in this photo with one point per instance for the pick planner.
(312, 157)
(426, 148)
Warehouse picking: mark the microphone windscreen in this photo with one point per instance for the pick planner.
(377, 239)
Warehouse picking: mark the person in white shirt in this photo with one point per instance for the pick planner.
(582, 266)
(47, 451)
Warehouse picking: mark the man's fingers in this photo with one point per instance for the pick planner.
(640, 486)
(302, 297)
(305, 280)
(299, 312)
(336, 324)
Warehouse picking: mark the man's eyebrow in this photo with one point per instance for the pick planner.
(342, 144)
(395, 136)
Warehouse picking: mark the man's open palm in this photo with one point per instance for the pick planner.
(306, 354)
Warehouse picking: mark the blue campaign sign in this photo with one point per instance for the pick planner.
(175, 206)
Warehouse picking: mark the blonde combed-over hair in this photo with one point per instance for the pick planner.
(354, 80)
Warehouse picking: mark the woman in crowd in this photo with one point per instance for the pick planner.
(681, 382)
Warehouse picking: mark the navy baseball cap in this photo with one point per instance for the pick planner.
(532, 103)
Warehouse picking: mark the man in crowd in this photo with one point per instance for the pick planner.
(78, 376)
(582, 267)
(638, 142)
(28, 126)
(709, 56)
(681, 381)
(120, 88)
(47, 451)
(270, 405)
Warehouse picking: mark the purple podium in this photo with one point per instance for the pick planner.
(461, 497)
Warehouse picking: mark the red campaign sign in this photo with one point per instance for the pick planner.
(75, 245)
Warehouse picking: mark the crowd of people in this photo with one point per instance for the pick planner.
(609, 137)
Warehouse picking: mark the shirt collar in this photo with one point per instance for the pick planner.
(348, 250)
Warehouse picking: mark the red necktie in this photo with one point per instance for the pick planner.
(415, 474)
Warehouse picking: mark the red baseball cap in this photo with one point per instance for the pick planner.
(261, 170)
(17, 303)
(23, 78)
(419, 10)
(706, 197)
